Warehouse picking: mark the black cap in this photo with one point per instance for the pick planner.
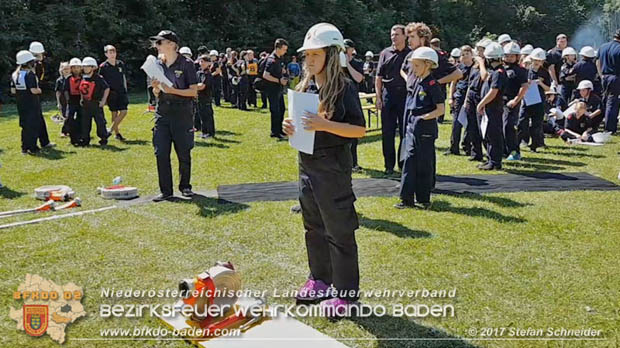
(349, 43)
(165, 35)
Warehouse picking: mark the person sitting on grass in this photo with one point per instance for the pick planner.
(577, 127)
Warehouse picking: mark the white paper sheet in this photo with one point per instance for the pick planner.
(483, 125)
(155, 71)
(532, 96)
(298, 104)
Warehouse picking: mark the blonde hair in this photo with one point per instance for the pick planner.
(467, 48)
(334, 85)
(62, 66)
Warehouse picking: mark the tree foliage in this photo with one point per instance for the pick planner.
(70, 28)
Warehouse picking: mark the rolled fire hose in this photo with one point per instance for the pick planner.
(226, 283)
(54, 192)
(118, 192)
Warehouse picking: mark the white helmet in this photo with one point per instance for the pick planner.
(185, 50)
(538, 54)
(483, 43)
(504, 38)
(585, 84)
(456, 52)
(512, 48)
(369, 54)
(89, 61)
(322, 35)
(568, 51)
(24, 57)
(426, 53)
(587, 51)
(493, 51)
(36, 47)
(75, 62)
(527, 49)
(213, 53)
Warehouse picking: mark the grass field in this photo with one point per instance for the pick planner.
(517, 260)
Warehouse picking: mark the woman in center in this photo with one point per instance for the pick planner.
(325, 191)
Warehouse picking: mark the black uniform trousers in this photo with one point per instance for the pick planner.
(226, 88)
(74, 123)
(418, 176)
(33, 128)
(242, 93)
(534, 114)
(510, 120)
(65, 126)
(611, 93)
(354, 143)
(457, 127)
(330, 220)
(276, 108)
(494, 138)
(90, 111)
(234, 92)
(264, 99)
(251, 91)
(473, 137)
(392, 115)
(217, 91)
(173, 126)
(205, 113)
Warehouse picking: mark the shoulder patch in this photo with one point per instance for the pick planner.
(102, 65)
(431, 83)
(500, 70)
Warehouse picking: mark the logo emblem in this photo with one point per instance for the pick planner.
(35, 319)
(178, 73)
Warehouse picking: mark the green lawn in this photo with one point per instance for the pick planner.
(520, 260)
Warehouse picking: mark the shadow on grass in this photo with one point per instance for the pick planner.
(574, 154)
(112, 148)
(136, 142)
(225, 132)
(500, 201)
(397, 332)
(443, 206)
(54, 154)
(392, 227)
(7, 193)
(534, 167)
(211, 207)
(379, 174)
(224, 140)
(204, 143)
(552, 161)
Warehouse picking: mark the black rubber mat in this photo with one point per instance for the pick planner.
(479, 184)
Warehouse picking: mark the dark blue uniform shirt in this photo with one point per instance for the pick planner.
(348, 109)
(182, 74)
(205, 77)
(541, 73)
(516, 76)
(497, 80)
(114, 75)
(609, 57)
(554, 56)
(423, 96)
(585, 70)
(390, 63)
(463, 83)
